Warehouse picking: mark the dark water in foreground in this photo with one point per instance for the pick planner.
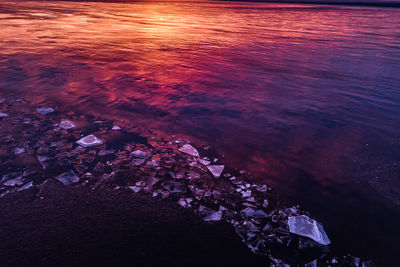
(305, 97)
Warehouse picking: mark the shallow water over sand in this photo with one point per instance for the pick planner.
(305, 97)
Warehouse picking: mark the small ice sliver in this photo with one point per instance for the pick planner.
(89, 141)
(305, 226)
(2, 115)
(66, 125)
(44, 110)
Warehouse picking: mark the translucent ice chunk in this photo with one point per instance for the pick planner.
(305, 226)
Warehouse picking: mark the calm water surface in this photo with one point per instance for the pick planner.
(305, 97)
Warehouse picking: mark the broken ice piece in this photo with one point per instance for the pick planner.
(141, 154)
(137, 162)
(188, 149)
(174, 187)
(19, 150)
(14, 182)
(208, 214)
(2, 115)
(305, 226)
(12, 179)
(135, 188)
(68, 177)
(42, 160)
(265, 203)
(252, 213)
(89, 141)
(204, 161)
(151, 180)
(67, 125)
(26, 186)
(116, 128)
(216, 170)
(246, 193)
(45, 111)
(262, 188)
(185, 202)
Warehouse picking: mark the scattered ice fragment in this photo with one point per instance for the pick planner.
(265, 203)
(2, 115)
(26, 186)
(151, 180)
(208, 214)
(188, 149)
(251, 199)
(252, 213)
(174, 187)
(185, 202)
(45, 111)
(292, 211)
(68, 177)
(116, 128)
(141, 154)
(246, 204)
(67, 125)
(28, 172)
(137, 162)
(262, 188)
(12, 179)
(19, 150)
(135, 188)
(216, 170)
(313, 264)
(14, 182)
(89, 141)
(246, 193)
(204, 161)
(42, 160)
(153, 163)
(305, 226)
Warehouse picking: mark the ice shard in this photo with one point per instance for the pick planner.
(305, 226)
(89, 141)
(216, 170)
(68, 177)
(188, 149)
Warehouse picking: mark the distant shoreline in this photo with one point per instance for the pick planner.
(316, 2)
(336, 3)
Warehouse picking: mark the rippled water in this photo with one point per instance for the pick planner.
(306, 97)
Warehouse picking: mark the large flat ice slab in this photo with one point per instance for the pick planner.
(305, 226)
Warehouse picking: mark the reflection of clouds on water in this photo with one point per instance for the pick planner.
(290, 92)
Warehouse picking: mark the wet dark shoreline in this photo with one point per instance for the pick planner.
(44, 161)
(74, 226)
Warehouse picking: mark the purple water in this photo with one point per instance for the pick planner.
(306, 97)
